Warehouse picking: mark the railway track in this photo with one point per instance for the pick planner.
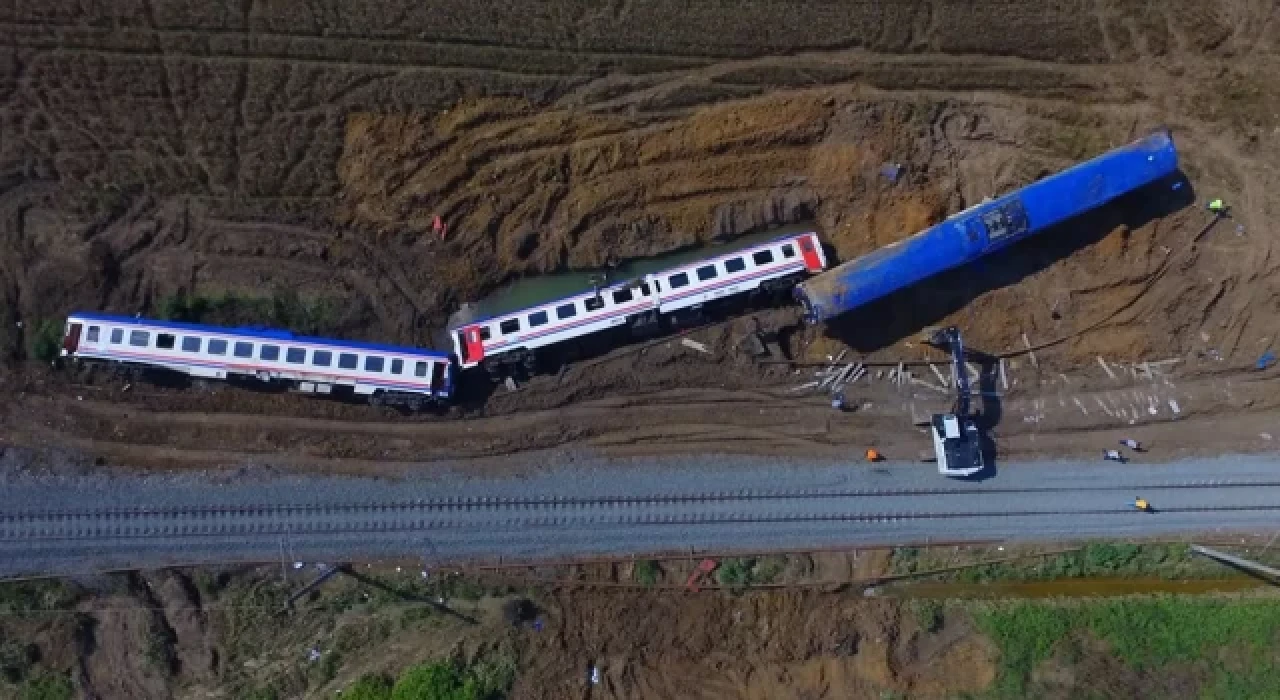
(745, 506)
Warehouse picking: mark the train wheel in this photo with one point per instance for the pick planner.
(377, 399)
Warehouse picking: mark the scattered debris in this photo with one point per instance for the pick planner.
(1105, 367)
(941, 379)
(1031, 354)
(1004, 378)
(314, 655)
(891, 172)
(1113, 456)
(1268, 358)
(1173, 406)
(1132, 444)
(1265, 436)
(511, 384)
(695, 345)
(929, 385)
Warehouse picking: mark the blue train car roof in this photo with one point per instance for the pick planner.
(259, 333)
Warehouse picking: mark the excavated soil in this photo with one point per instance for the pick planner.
(298, 154)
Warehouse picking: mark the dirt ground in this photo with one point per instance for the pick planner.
(263, 150)
(300, 151)
(219, 634)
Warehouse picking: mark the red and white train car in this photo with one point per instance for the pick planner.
(512, 336)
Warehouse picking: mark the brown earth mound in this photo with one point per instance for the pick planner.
(292, 159)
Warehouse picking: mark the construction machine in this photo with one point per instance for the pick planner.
(957, 439)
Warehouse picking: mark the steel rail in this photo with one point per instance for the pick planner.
(474, 503)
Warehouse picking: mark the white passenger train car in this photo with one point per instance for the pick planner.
(510, 337)
(383, 373)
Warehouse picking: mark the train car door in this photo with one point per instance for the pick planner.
(472, 345)
(809, 251)
(71, 342)
(439, 373)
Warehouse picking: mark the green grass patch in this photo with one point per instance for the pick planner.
(35, 596)
(1146, 634)
(749, 571)
(487, 679)
(1096, 560)
(928, 613)
(48, 686)
(283, 309)
(44, 340)
(645, 572)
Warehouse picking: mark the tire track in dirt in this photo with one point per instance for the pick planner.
(122, 33)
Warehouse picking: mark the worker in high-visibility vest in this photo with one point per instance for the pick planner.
(873, 455)
(1216, 206)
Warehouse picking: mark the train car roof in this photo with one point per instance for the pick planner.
(258, 333)
(509, 300)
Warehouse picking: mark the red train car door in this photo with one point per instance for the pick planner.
(71, 342)
(472, 346)
(809, 251)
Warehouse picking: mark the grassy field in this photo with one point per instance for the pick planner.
(1228, 644)
(1094, 560)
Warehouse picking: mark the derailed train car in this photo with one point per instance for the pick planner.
(988, 227)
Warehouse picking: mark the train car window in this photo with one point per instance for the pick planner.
(538, 318)
(678, 281)
(420, 369)
(92, 335)
(566, 311)
(622, 296)
(484, 333)
(191, 343)
(139, 338)
(165, 340)
(657, 286)
(269, 352)
(373, 363)
(509, 326)
(243, 349)
(644, 288)
(117, 336)
(788, 251)
(593, 303)
(397, 366)
(762, 257)
(217, 346)
(733, 265)
(707, 272)
(347, 360)
(295, 355)
(321, 358)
